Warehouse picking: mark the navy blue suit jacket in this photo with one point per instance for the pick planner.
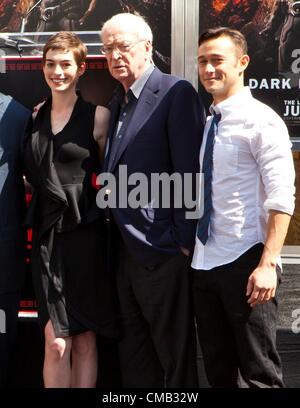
(164, 136)
(12, 195)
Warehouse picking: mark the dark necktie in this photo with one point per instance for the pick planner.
(207, 165)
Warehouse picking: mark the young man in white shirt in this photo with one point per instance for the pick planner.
(236, 269)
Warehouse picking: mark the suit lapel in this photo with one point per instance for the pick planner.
(146, 104)
(4, 102)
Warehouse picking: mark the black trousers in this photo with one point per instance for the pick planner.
(9, 304)
(233, 336)
(158, 347)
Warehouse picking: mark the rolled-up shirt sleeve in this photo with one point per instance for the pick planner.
(271, 148)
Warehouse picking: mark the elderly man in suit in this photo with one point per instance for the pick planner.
(13, 121)
(156, 128)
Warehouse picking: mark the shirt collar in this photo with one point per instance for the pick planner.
(233, 102)
(138, 85)
(4, 102)
(136, 88)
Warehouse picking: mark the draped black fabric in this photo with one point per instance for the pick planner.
(69, 245)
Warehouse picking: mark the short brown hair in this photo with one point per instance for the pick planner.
(236, 36)
(66, 41)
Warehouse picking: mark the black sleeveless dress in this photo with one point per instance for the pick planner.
(73, 287)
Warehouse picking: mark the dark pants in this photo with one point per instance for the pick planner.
(233, 336)
(9, 303)
(158, 346)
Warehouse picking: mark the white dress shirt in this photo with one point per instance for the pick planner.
(253, 172)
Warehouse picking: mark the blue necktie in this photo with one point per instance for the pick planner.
(207, 165)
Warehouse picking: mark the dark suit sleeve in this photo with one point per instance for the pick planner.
(185, 132)
(27, 130)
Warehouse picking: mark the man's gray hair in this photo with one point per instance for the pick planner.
(135, 24)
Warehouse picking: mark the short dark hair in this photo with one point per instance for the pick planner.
(236, 36)
(66, 41)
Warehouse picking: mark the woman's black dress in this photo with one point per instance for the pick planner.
(73, 287)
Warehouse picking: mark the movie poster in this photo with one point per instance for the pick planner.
(25, 26)
(29, 22)
(272, 29)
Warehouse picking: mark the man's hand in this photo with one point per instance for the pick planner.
(82, 19)
(262, 284)
(185, 251)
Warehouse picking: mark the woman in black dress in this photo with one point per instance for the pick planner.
(73, 290)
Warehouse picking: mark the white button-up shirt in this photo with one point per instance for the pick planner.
(253, 172)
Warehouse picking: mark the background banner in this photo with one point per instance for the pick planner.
(272, 29)
(29, 22)
(25, 26)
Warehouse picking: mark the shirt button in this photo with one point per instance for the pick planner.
(124, 114)
(119, 136)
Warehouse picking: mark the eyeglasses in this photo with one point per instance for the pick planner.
(121, 47)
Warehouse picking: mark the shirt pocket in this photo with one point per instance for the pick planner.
(225, 158)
